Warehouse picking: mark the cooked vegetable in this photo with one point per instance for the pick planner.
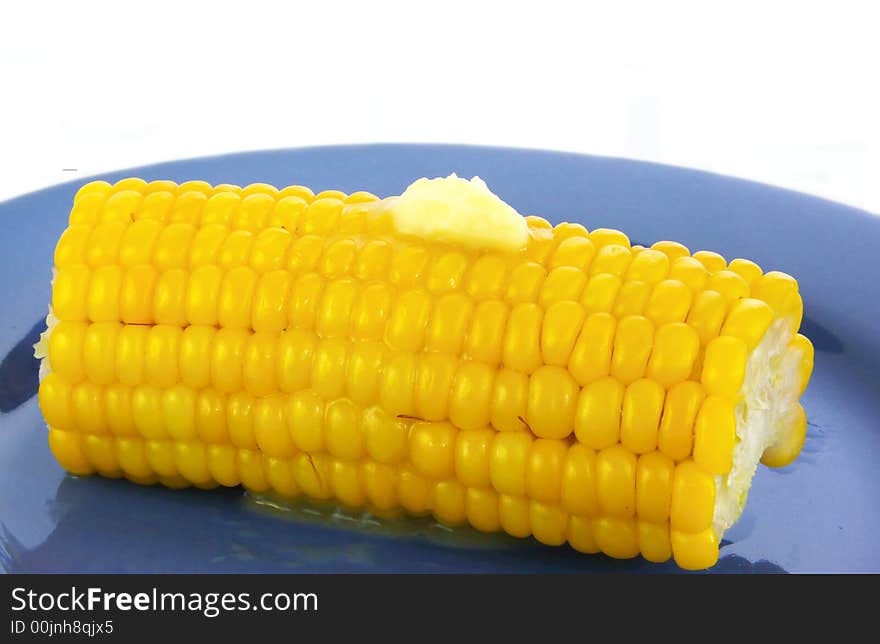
(546, 381)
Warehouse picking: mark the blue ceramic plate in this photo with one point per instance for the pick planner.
(820, 514)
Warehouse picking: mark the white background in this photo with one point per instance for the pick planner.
(785, 93)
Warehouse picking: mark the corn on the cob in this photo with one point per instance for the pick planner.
(577, 388)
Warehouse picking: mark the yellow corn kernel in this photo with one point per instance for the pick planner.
(544, 469)
(397, 384)
(676, 435)
(407, 265)
(343, 436)
(597, 418)
(553, 396)
(449, 323)
(338, 258)
(522, 338)
(66, 350)
(173, 246)
(471, 395)
(235, 249)
(578, 491)
(448, 502)
(104, 294)
(252, 471)
(640, 415)
(483, 342)
(507, 462)
(334, 309)
(616, 482)
(633, 341)
(602, 237)
(472, 454)
(363, 371)
(387, 437)
(695, 551)
(670, 301)
(202, 295)
(693, 498)
(156, 207)
(121, 206)
(101, 453)
(409, 318)
(562, 283)
(579, 534)
(88, 409)
(434, 378)
(253, 211)
(240, 420)
(601, 293)
(188, 208)
(590, 357)
(55, 401)
(67, 448)
(258, 370)
(801, 347)
(748, 320)
(104, 242)
(730, 285)
(573, 251)
(236, 297)
(132, 457)
(548, 523)
(446, 272)
(169, 298)
(179, 412)
(72, 245)
(707, 315)
(481, 508)
(509, 400)
(526, 280)
(99, 352)
(161, 357)
(712, 261)
(485, 278)
(613, 259)
(138, 242)
(87, 209)
(302, 304)
(746, 269)
(689, 272)
(790, 438)
(210, 419)
(715, 435)
(675, 350)
(227, 359)
(117, 410)
(345, 484)
(222, 462)
(616, 537)
(654, 541)
(724, 366)
(632, 298)
(432, 449)
(673, 250)
(70, 283)
(380, 485)
(513, 513)
(654, 478)
(269, 249)
(650, 266)
(136, 294)
(414, 492)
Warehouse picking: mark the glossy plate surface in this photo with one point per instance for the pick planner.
(820, 514)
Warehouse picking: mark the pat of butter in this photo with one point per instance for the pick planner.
(457, 211)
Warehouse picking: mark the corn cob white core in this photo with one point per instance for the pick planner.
(458, 211)
(769, 394)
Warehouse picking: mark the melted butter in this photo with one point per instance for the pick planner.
(390, 525)
(457, 211)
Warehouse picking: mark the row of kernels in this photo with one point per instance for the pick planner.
(430, 385)
(97, 192)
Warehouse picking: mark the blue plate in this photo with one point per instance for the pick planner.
(820, 514)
